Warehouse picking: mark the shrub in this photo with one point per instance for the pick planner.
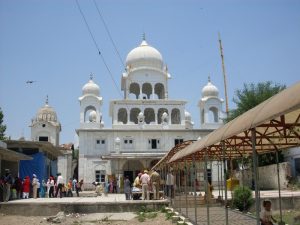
(242, 198)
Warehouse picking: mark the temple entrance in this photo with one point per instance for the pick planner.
(131, 169)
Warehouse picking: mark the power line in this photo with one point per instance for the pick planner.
(108, 32)
(98, 49)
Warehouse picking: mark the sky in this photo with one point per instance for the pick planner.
(48, 42)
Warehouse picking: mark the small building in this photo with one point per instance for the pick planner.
(10, 159)
(43, 156)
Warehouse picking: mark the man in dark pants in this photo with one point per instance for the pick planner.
(60, 183)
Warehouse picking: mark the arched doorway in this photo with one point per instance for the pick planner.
(131, 168)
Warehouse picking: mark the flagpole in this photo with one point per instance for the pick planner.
(224, 75)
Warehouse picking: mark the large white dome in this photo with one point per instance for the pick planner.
(210, 90)
(144, 56)
(91, 88)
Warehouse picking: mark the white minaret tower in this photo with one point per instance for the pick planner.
(210, 104)
(45, 126)
(90, 106)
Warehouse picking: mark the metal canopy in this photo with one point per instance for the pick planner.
(172, 152)
(276, 122)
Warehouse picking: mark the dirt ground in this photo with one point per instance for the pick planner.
(75, 220)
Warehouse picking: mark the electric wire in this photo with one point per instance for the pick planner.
(109, 34)
(98, 49)
(102, 57)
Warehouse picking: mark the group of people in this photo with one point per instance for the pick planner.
(16, 188)
(143, 183)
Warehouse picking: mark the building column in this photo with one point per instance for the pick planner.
(153, 91)
(141, 91)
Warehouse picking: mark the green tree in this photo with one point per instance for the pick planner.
(252, 95)
(2, 126)
(247, 98)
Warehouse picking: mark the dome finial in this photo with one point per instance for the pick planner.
(91, 76)
(144, 36)
(208, 78)
(47, 100)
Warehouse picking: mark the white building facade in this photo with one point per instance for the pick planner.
(146, 124)
(45, 126)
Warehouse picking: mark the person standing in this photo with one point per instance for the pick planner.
(7, 185)
(18, 187)
(170, 182)
(137, 182)
(69, 188)
(60, 183)
(51, 189)
(26, 187)
(34, 186)
(127, 188)
(74, 182)
(155, 181)
(145, 179)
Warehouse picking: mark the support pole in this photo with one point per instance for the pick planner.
(195, 188)
(257, 201)
(219, 196)
(185, 188)
(222, 179)
(179, 187)
(225, 185)
(279, 190)
(207, 198)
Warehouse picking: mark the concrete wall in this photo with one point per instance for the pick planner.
(267, 176)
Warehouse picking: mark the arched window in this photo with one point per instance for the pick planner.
(149, 115)
(147, 90)
(159, 90)
(134, 115)
(175, 116)
(213, 115)
(160, 113)
(122, 115)
(87, 112)
(134, 88)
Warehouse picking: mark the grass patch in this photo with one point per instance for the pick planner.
(287, 216)
(146, 213)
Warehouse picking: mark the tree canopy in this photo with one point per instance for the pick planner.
(251, 95)
(2, 126)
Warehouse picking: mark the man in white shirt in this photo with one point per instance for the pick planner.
(59, 183)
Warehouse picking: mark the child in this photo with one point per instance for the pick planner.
(266, 217)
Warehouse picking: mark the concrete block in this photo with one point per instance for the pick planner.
(175, 219)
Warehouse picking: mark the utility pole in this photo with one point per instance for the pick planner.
(224, 74)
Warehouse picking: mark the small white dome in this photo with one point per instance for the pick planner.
(144, 55)
(93, 116)
(46, 113)
(91, 88)
(187, 116)
(210, 90)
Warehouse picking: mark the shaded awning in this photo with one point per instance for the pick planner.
(42, 145)
(276, 122)
(10, 155)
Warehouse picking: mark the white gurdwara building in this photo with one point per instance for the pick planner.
(146, 124)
